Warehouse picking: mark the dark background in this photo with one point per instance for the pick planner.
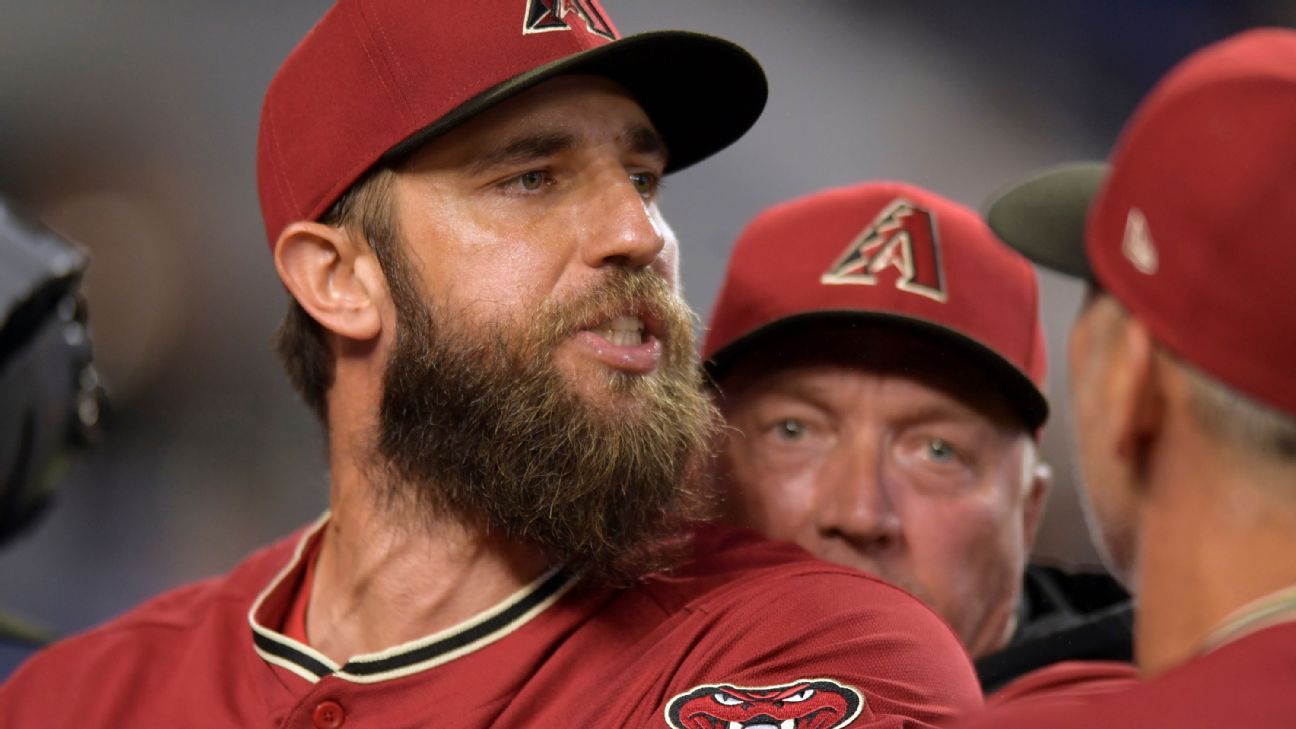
(130, 127)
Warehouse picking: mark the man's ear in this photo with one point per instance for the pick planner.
(333, 276)
(1040, 482)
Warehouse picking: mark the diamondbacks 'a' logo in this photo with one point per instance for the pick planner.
(811, 703)
(902, 237)
(543, 16)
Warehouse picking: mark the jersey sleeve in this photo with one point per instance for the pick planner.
(71, 683)
(826, 649)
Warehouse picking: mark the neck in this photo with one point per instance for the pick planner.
(1216, 533)
(385, 578)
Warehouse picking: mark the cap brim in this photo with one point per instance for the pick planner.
(1018, 389)
(1043, 216)
(701, 92)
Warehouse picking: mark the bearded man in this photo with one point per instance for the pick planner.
(462, 201)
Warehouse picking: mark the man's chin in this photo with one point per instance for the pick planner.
(609, 390)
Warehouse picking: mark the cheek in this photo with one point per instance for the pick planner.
(668, 260)
(777, 499)
(958, 545)
(1095, 468)
(503, 282)
(670, 244)
(1084, 386)
(1109, 512)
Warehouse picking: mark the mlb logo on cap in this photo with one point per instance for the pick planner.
(543, 16)
(902, 237)
(885, 252)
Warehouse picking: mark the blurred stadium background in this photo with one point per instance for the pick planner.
(130, 127)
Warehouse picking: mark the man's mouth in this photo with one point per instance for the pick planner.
(625, 342)
(623, 331)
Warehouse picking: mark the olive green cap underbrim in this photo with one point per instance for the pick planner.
(1043, 216)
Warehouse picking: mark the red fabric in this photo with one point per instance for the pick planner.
(1243, 684)
(745, 612)
(1076, 681)
(1204, 171)
(295, 623)
(784, 264)
(373, 72)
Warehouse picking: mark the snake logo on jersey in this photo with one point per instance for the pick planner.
(543, 16)
(811, 703)
(903, 236)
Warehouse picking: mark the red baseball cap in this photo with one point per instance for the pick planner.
(380, 77)
(892, 253)
(1193, 226)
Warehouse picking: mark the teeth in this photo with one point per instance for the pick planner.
(623, 331)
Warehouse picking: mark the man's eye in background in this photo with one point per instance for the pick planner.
(790, 429)
(941, 451)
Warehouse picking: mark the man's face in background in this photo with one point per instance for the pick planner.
(882, 452)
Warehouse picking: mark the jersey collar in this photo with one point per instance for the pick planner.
(441, 647)
(1272, 609)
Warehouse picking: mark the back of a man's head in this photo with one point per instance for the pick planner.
(1181, 358)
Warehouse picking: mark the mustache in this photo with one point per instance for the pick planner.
(623, 292)
(479, 424)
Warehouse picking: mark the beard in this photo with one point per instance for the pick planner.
(481, 426)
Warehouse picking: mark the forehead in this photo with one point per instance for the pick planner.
(588, 108)
(827, 360)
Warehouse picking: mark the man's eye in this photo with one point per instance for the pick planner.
(790, 429)
(530, 181)
(645, 183)
(940, 451)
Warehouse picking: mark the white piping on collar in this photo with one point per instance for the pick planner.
(529, 601)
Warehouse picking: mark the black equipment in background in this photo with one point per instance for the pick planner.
(51, 400)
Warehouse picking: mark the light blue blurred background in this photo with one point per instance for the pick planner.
(131, 126)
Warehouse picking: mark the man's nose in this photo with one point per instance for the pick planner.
(854, 503)
(623, 231)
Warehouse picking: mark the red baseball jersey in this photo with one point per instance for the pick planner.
(1076, 681)
(748, 631)
(1247, 683)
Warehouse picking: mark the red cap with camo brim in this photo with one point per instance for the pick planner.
(1193, 226)
(375, 78)
(885, 254)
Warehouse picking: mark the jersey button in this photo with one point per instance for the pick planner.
(329, 715)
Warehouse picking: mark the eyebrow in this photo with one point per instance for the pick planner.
(523, 149)
(948, 408)
(797, 392)
(643, 140)
(520, 150)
